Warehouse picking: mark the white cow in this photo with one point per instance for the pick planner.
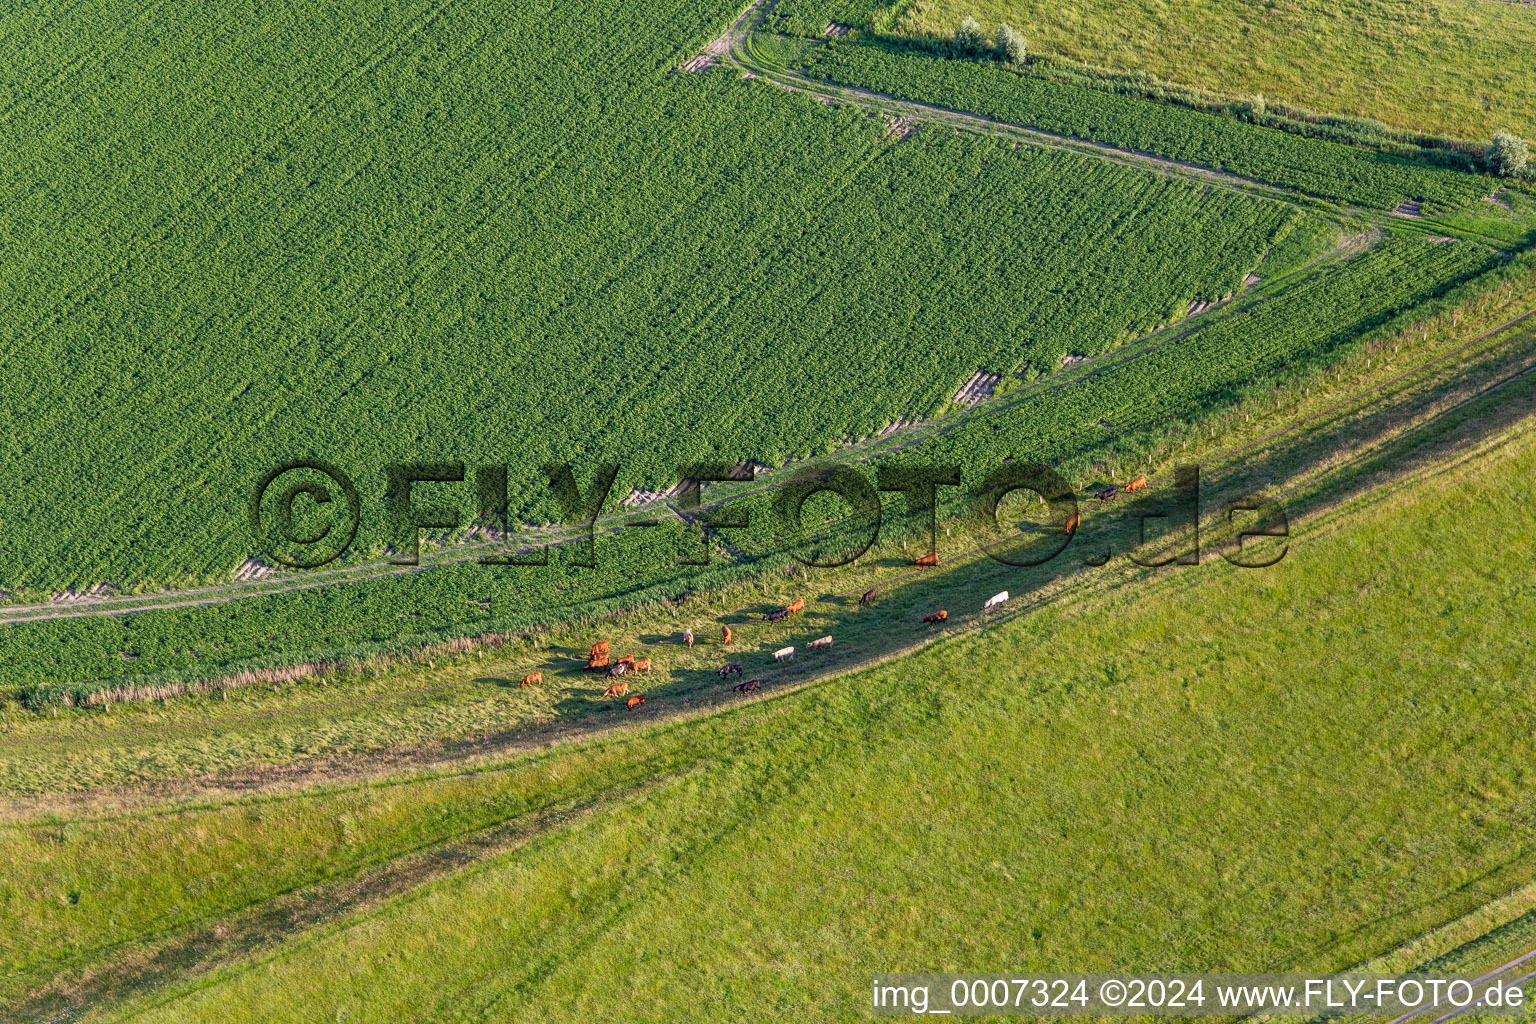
(825, 641)
(995, 599)
(784, 654)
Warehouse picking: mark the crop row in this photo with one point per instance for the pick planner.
(1329, 170)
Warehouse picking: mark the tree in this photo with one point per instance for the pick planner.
(968, 38)
(1009, 43)
(1507, 154)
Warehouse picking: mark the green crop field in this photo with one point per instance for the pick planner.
(1450, 67)
(822, 241)
(476, 281)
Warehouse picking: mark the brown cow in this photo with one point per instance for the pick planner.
(926, 561)
(748, 686)
(1073, 523)
(725, 635)
(635, 701)
(869, 595)
(796, 608)
(938, 616)
(628, 659)
(531, 678)
(1107, 494)
(1136, 485)
(618, 689)
(598, 658)
(722, 673)
(601, 647)
(642, 665)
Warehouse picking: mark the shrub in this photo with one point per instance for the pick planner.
(1507, 154)
(1009, 44)
(969, 41)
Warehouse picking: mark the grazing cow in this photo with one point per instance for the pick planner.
(531, 678)
(618, 689)
(725, 635)
(642, 665)
(1073, 523)
(748, 686)
(688, 637)
(1136, 485)
(1107, 494)
(825, 641)
(776, 615)
(995, 600)
(869, 595)
(784, 654)
(722, 673)
(614, 671)
(796, 608)
(635, 701)
(926, 561)
(628, 659)
(598, 658)
(936, 617)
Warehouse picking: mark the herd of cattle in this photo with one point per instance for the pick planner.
(599, 658)
(614, 671)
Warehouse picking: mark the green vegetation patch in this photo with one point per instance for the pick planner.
(1327, 169)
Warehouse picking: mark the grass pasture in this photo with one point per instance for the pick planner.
(1449, 67)
(1215, 769)
(366, 716)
